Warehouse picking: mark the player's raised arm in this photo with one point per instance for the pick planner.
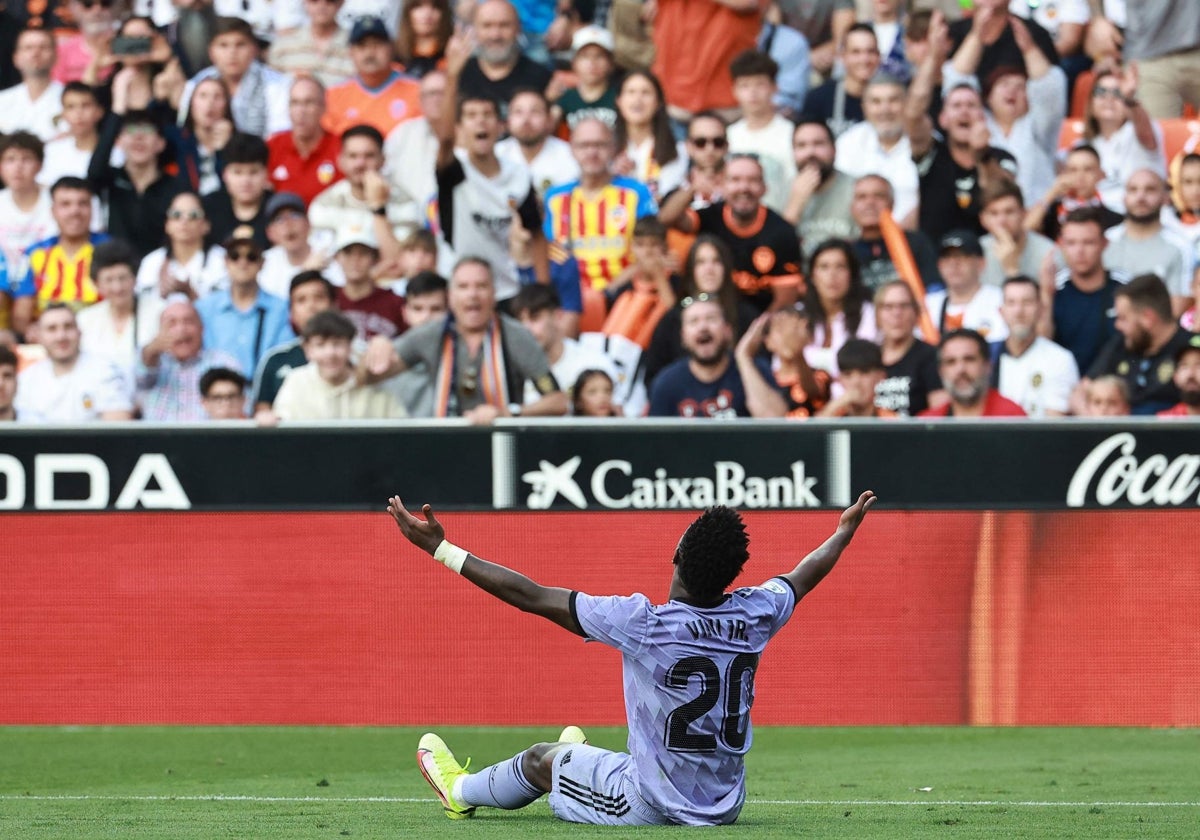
(820, 561)
(514, 588)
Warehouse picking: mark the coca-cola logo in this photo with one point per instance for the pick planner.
(1119, 475)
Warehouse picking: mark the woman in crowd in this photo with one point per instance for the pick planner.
(592, 395)
(838, 304)
(1121, 131)
(184, 265)
(647, 149)
(425, 27)
(206, 129)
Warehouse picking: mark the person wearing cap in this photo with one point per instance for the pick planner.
(1144, 350)
(965, 303)
(243, 320)
(373, 310)
(966, 371)
(138, 192)
(379, 94)
(303, 160)
(1030, 369)
(291, 250)
(320, 49)
(879, 146)
(1187, 379)
(260, 94)
(499, 68)
(594, 94)
(1009, 248)
(530, 143)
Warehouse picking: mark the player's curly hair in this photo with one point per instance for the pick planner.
(711, 552)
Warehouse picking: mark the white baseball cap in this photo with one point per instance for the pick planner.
(355, 234)
(592, 35)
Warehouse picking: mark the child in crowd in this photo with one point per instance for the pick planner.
(761, 130)
(71, 153)
(860, 370)
(594, 95)
(418, 253)
(592, 395)
(1186, 198)
(645, 291)
(426, 300)
(373, 310)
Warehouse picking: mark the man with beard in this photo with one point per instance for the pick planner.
(766, 250)
(499, 69)
(529, 142)
(379, 95)
(706, 382)
(1187, 380)
(963, 363)
(879, 146)
(706, 143)
(1141, 244)
(1029, 369)
(819, 201)
(953, 170)
(1143, 351)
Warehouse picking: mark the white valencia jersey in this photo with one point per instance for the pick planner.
(689, 685)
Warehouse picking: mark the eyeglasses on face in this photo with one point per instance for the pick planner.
(244, 256)
(1103, 91)
(703, 297)
(103, 4)
(705, 142)
(185, 215)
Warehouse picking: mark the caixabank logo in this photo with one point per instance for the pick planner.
(616, 484)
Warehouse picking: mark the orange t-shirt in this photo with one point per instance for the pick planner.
(385, 107)
(685, 29)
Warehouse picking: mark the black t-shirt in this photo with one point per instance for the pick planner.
(877, 267)
(1151, 379)
(821, 104)
(949, 194)
(526, 74)
(1052, 221)
(1004, 52)
(766, 252)
(218, 207)
(910, 381)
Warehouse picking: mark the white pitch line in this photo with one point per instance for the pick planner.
(11, 797)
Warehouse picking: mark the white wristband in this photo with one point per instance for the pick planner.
(451, 556)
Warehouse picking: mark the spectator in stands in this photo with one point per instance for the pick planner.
(363, 196)
(646, 147)
(119, 323)
(820, 195)
(1141, 244)
(138, 79)
(1026, 101)
(595, 94)
(26, 216)
(705, 145)
(86, 55)
(1186, 378)
(548, 159)
(1143, 353)
(259, 95)
(537, 308)
(912, 381)
(482, 200)
(766, 251)
(1184, 215)
(838, 305)
(1163, 37)
(71, 153)
(138, 193)
(885, 18)
(425, 301)
(309, 294)
(1107, 396)
(418, 253)
(411, 152)
(291, 251)
(789, 49)
(243, 320)
(1065, 23)
(838, 102)
(860, 372)
(1122, 133)
(966, 301)
(8, 384)
(425, 28)
(379, 95)
(1075, 187)
(69, 385)
(184, 265)
(643, 293)
(761, 130)
(992, 38)
(33, 105)
(966, 373)
(706, 383)
(1190, 319)
(373, 310)
(784, 386)
(1008, 248)
(872, 195)
(223, 394)
(325, 388)
(824, 23)
(242, 199)
(955, 169)
(879, 146)
(1079, 298)
(58, 267)
(1030, 369)
(303, 160)
(319, 50)
(171, 365)
(207, 127)
(591, 395)
(482, 343)
(499, 69)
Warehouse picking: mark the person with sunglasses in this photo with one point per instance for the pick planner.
(184, 264)
(243, 320)
(706, 143)
(1122, 133)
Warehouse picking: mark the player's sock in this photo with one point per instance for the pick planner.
(502, 785)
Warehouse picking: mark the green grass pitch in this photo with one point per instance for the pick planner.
(84, 783)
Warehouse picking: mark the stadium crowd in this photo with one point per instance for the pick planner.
(351, 209)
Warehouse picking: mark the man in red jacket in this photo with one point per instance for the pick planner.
(965, 366)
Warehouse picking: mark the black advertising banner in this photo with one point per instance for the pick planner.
(211, 467)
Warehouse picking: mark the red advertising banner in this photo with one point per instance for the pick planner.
(930, 618)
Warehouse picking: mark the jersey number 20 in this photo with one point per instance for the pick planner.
(738, 682)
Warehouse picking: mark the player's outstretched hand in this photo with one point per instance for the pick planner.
(853, 516)
(426, 535)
